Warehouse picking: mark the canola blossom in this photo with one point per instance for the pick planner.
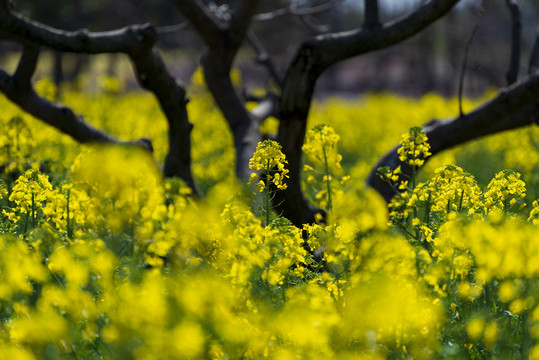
(101, 258)
(320, 148)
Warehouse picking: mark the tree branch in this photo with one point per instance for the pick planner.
(224, 40)
(372, 16)
(18, 89)
(514, 107)
(313, 57)
(264, 58)
(534, 56)
(206, 24)
(153, 75)
(512, 73)
(26, 68)
(137, 41)
(294, 9)
(26, 31)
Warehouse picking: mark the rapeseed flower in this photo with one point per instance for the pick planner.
(269, 158)
(414, 147)
(505, 191)
(320, 147)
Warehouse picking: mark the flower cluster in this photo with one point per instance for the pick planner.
(414, 147)
(321, 151)
(112, 263)
(320, 146)
(269, 158)
(506, 190)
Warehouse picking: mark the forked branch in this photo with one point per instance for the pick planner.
(19, 90)
(137, 41)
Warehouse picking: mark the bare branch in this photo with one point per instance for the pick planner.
(153, 75)
(465, 57)
(224, 39)
(534, 57)
(272, 14)
(512, 73)
(264, 58)
(26, 68)
(137, 41)
(202, 18)
(513, 108)
(294, 9)
(26, 31)
(310, 23)
(372, 16)
(60, 117)
(242, 14)
(172, 28)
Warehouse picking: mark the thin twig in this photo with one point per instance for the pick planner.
(466, 50)
(263, 57)
(172, 28)
(309, 23)
(294, 9)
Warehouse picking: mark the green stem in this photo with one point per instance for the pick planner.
(26, 222)
(427, 211)
(267, 193)
(328, 179)
(33, 211)
(67, 220)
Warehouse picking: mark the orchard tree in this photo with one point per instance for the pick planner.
(226, 26)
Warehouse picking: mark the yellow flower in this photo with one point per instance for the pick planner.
(321, 146)
(269, 158)
(414, 147)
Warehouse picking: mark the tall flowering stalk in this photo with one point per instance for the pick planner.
(31, 191)
(270, 160)
(414, 150)
(321, 149)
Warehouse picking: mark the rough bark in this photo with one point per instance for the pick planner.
(514, 107)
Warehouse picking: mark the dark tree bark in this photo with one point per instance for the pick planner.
(514, 107)
(534, 57)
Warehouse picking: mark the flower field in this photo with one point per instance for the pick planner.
(101, 258)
